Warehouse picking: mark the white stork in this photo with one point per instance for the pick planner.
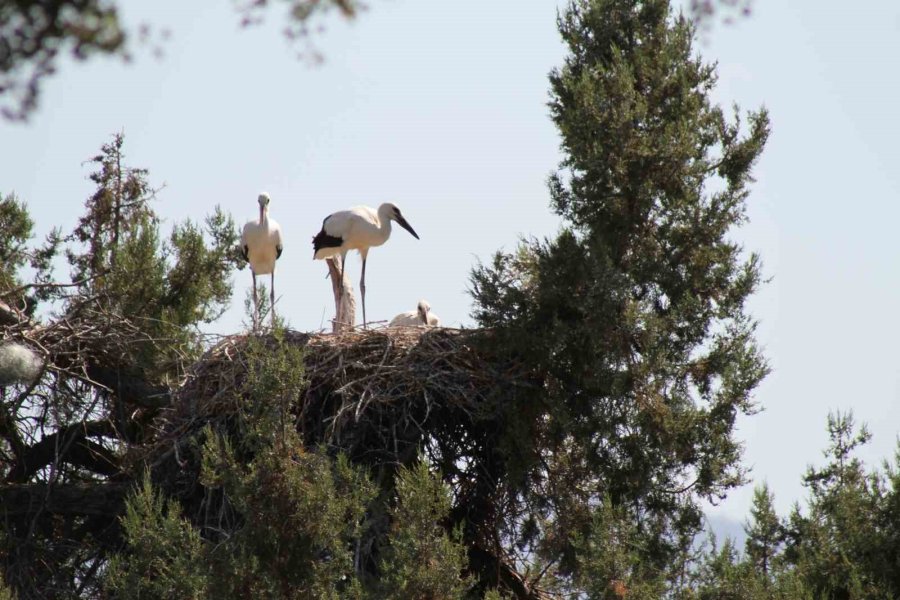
(261, 244)
(358, 228)
(416, 318)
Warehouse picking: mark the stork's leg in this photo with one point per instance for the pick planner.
(272, 298)
(362, 291)
(255, 303)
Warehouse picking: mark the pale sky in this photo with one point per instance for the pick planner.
(441, 108)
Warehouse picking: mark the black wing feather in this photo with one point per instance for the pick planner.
(323, 240)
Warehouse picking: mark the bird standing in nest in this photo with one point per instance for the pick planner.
(261, 244)
(358, 228)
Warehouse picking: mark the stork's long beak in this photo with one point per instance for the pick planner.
(402, 222)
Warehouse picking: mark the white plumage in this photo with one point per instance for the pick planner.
(262, 245)
(18, 364)
(358, 228)
(420, 317)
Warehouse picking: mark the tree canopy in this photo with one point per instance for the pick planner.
(33, 35)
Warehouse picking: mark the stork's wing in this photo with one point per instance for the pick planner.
(342, 223)
(406, 319)
(245, 239)
(276, 231)
(365, 213)
(337, 224)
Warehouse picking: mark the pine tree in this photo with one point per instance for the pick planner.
(16, 228)
(118, 254)
(633, 317)
(764, 533)
(839, 547)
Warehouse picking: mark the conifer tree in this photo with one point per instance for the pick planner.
(764, 533)
(112, 340)
(165, 551)
(16, 226)
(119, 255)
(633, 318)
(838, 545)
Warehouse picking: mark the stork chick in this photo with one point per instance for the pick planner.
(420, 317)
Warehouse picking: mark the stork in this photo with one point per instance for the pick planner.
(358, 228)
(261, 245)
(416, 318)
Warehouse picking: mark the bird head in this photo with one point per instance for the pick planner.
(423, 309)
(263, 200)
(391, 211)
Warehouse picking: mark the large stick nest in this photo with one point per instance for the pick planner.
(381, 396)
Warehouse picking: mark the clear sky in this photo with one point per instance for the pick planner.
(441, 108)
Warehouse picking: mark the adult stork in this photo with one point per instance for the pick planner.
(262, 246)
(358, 228)
(416, 318)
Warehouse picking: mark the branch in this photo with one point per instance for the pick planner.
(89, 499)
(506, 575)
(70, 445)
(29, 286)
(10, 433)
(10, 315)
(129, 388)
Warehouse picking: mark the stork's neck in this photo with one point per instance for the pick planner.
(384, 219)
(263, 214)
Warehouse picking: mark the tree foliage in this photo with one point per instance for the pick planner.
(34, 34)
(633, 316)
(112, 339)
(290, 521)
(843, 545)
(164, 551)
(422, 560)
(563, 453)
(17, 227)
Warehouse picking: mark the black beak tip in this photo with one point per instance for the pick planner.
(405, 225)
